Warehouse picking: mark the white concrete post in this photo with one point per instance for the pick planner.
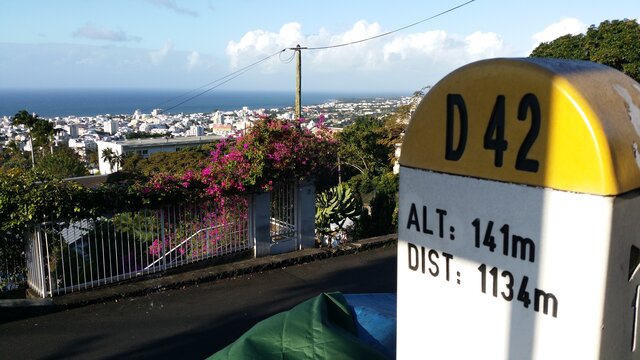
(259, 216)
(306, 214)
(518, 215)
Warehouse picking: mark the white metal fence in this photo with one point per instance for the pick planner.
(64, 256)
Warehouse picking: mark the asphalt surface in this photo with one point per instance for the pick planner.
(196, 321)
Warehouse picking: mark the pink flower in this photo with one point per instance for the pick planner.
(155, 248)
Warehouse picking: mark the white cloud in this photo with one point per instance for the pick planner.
(95, 32)
(193, 59)
(565, 26)
(484, 45)
(365, 55)
(442, 48)
(360, 30)
(427, 43)
(159, 55)
(259, 43)
(171, 5)
(290, 35)
(436, 46)
(401, 59)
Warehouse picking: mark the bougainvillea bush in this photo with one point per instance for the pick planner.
(271, 151)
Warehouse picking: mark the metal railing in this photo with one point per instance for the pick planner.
(283, 210)
(61, 256)
(67, 256)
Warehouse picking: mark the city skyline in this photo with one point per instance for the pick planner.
(171, 44)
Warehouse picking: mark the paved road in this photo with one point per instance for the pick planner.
(194, 322)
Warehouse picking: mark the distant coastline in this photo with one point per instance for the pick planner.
(82, 102)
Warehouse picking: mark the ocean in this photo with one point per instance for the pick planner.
(81, 102)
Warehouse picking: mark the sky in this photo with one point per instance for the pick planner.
(181, 44)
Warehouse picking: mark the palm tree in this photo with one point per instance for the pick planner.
(43, 132)
(112, 158)
(40, 131)
(23, 117)
(107, 155)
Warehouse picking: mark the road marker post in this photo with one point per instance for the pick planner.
(519, 214)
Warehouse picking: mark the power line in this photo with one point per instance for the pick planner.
(298, 51)
(288, 60)
(219, 82)
(390, 32)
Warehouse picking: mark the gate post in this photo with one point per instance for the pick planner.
(259, 223)
(306, 215)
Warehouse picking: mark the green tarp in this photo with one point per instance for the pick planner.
(319, 328)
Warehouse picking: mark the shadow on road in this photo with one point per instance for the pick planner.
(377, 277)
(196, 321)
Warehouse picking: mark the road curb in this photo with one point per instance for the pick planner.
(14, 309)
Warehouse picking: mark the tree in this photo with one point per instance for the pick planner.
(564, 47)
(40, 131)
(63, 163)
(112, 158)
(23, 117)
(362, 146)
(615, 43)
(92, 157)
(382, 218)
(174, 163)
(145, 135)
(12, 157)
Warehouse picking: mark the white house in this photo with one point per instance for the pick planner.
(145, 147)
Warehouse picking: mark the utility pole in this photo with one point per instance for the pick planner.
(298, 101)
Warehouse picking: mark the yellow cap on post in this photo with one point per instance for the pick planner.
(563, 124)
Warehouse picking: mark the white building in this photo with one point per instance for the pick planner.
(216, 118)
(81, 145)
(145, 147)
(110, 127)
(72, 130)
(195, 130)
